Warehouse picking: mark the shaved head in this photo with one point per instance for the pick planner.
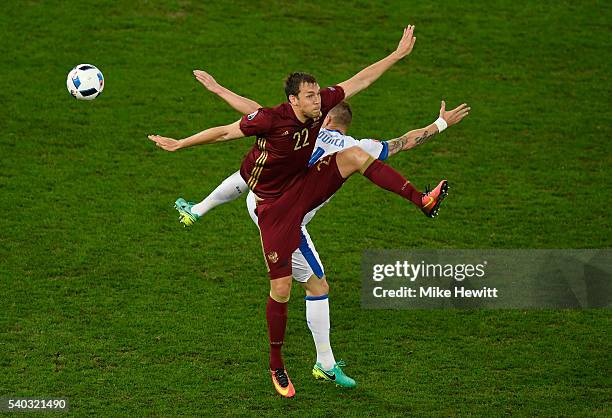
(341, 114)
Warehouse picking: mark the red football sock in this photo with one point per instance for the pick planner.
(386, 177)
(276, 314)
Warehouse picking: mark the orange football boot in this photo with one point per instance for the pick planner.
(431, 199)
(282, 383)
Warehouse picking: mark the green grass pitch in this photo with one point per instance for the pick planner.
(107, 301)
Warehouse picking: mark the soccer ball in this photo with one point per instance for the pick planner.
(85, 82)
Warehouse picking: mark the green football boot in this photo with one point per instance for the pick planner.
(335, 374)
(186, 217)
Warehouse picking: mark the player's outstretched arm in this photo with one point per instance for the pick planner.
(367, 76)
(239, 103)
(208, 136)
(420, 136)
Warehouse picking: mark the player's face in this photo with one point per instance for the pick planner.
(309, 100)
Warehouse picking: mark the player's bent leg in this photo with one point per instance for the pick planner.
(352, 160)
(355, 159)
(276, 316)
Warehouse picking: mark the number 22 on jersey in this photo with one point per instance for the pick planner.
(301, 139)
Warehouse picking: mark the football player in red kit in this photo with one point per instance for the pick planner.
(276, 170)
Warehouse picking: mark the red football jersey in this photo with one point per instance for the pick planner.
(284, 144)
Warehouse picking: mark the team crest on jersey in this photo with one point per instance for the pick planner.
(252, 115)
(272, 256)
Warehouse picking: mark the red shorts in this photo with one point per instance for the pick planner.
(280, 218)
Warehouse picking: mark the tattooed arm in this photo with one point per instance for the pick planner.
(420, 136)
(411, 139)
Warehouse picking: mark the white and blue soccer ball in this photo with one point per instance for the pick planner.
(85, 82)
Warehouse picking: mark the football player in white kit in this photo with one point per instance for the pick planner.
(306, 263)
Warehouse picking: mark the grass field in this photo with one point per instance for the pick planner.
(107, 301)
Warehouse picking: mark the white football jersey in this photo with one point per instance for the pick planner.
(329, 142)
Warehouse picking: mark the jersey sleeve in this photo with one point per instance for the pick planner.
(330, 97)
(256, 123)
(377, 149)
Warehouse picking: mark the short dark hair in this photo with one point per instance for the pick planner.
(342, 114)
(295, 80)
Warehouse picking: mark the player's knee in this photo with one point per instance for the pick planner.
(324, 286)
(280, 296)
(356, 156)
(352, 159)
(316, 286)
(280, 290)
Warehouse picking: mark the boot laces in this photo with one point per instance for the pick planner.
(282, 377)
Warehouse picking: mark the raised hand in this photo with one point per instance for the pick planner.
(454, 116)
(208, 81)
(163, 142)
(406, 43)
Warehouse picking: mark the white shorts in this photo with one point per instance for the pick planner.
(305, 261)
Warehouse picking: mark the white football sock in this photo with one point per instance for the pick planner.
(317, 316)
(231, 188)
